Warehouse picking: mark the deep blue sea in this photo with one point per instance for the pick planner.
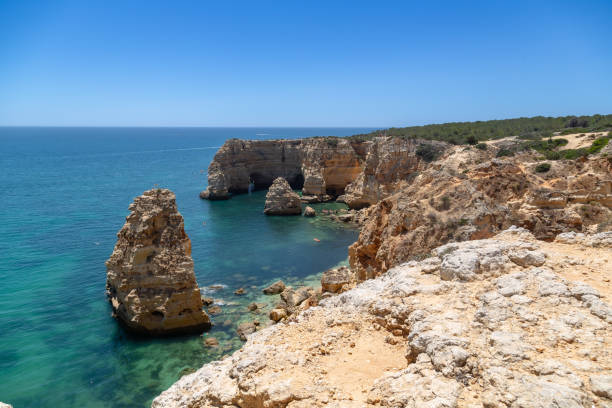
(64, 195)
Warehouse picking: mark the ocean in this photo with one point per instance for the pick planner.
(65, 194)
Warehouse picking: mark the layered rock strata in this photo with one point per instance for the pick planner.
(281, 200)
(469, 195)
(322, 168)
(503, 322)
(150, 279)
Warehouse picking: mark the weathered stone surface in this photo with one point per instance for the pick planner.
(388, 164)
(319, 167)
(211, 342)
(275, 288)
(456, 199)
(150, 280)
(602, 385)
(277, 314)
(214, 309)
(244, 329)
(309, 212)
(281, 200)
(488, 341)
(334, 279)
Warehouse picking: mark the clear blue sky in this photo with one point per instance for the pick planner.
(290, 63)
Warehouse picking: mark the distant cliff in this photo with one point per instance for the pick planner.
(359, 173)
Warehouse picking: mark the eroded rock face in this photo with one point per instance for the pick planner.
(150, 279)
(493, 331)
(322, 168)
(456, 199)
(281, 200)
(333, 280)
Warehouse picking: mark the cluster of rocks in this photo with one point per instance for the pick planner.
(499, 322)
(150, 281)
(291, 300)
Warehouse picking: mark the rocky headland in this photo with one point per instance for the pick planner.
(508, 321)
(479, 279)
(361, 173)
(150, 282)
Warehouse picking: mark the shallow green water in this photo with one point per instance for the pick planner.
(65, 194)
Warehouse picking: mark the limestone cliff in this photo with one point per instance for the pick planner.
(467, 194)
(150, 279)
(503, 322)
(321, 167)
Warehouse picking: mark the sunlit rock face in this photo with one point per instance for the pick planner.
(150, 279)
(282, 200)
(324, 168)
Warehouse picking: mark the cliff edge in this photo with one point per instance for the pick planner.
(508, 321)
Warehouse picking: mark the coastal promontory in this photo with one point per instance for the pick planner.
(150, 279)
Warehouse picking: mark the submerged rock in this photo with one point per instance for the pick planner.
(275, 288)
(150, 280)
(246, 328)
(215, 309)
(211, 342)
(281, 200)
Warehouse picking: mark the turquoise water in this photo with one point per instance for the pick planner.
(65, 194)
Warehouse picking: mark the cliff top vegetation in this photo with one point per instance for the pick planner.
(472, 133)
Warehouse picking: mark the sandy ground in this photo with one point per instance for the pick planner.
(579, 140)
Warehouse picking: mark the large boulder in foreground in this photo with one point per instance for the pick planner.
(281, 200)
(150, 280)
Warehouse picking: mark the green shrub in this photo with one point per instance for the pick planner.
(542, 167)
(471, 140)
(572, 154)
(504, 153)
(481, 146)
(573, 130)
(599, 144)
(426, 152)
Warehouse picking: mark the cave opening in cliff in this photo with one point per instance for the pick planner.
(297, 181)
(260, 181)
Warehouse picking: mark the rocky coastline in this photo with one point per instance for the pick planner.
(459, 288)
(499, 322)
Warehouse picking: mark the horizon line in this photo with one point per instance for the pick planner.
(294, 126)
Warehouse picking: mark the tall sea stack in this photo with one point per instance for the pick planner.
(150, 280)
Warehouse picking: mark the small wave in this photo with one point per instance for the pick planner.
(262, 134)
